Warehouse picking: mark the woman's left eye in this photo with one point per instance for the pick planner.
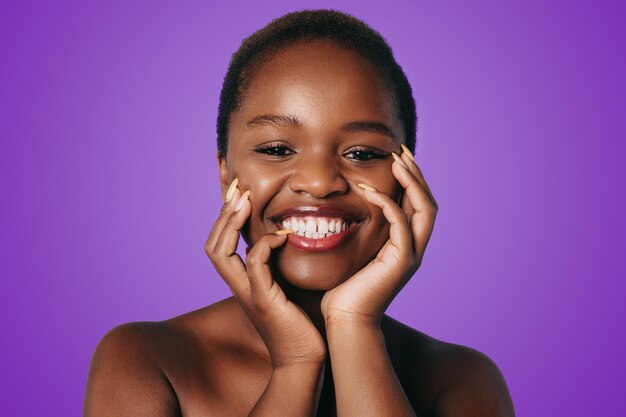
(365, 154)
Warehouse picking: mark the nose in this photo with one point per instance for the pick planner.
(318, 177)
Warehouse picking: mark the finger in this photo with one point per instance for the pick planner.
(224, 256)
(411, 165)
(422, 227)
(227, 208)
(422, 220)
(403, 201)
(399, 231)
(259, 273)
(414, 191)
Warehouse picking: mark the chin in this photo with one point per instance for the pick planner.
(312, 277)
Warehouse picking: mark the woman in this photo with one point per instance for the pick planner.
(315, 130)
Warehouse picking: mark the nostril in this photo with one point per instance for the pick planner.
(318, 185)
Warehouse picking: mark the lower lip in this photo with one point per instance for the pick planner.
(323, 244)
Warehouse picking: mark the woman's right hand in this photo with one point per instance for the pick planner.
(289, 334)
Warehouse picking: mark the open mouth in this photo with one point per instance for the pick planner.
(314, 227)
(318, 228)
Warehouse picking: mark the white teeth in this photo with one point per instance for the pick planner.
(322, 226)
(315, 227)
(311, 225)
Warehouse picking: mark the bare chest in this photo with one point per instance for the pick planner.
(232, 391)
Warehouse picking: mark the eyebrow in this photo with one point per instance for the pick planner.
(371, 126)
(274, 120)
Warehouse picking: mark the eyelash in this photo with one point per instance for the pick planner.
(271, 148)
(278, 150)
(372, 153)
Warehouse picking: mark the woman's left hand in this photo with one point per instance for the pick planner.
(364, 297)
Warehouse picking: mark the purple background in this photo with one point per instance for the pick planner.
(109, 183)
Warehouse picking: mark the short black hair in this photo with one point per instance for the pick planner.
(307, 25)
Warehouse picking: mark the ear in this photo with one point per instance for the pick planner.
(223, 171)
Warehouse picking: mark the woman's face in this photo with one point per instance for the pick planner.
(317, 120)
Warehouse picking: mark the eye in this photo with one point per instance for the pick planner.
(365, 154)
(274, 149)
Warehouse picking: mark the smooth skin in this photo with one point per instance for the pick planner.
(304, 333)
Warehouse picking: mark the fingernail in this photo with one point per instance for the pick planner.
(243, 198)
(366, 186)
(399, 160)
(282, 232)
(231, 190)
(407, 151)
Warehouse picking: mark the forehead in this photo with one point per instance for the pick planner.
(321, 82)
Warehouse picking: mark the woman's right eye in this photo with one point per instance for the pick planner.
(274, 149)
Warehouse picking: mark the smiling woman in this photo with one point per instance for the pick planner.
(315, 130)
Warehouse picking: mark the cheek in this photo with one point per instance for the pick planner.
(264, 185)
(262, 181)
(383, 180)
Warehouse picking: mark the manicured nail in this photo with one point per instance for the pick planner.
(243, 198)
(407, 151)
(366, 186)
(282, 232)
(399, 160)
(231, 190)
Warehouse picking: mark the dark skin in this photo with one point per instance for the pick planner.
(304, 333)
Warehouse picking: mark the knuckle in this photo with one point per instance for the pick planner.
(253, 260)
(217, 256)
(257, 252)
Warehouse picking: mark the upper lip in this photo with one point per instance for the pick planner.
(318, 211)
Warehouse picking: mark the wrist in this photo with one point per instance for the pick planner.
(299, 368)
(300, 364)
(351, 320)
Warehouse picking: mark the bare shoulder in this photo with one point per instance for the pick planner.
(125, 377)
(165, 368)
(458, 380)
(473, 384)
